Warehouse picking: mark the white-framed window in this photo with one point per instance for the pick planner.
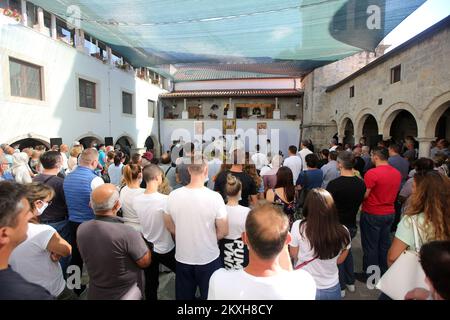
(127, 103)
(87, 91)
(87, 94)
(26, 80)
(151, 108)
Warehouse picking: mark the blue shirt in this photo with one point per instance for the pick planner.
(6, 176)
(314, 179)
(101, 157)
(401, 164)
(330, 172)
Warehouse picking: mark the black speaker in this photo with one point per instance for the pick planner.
(109, 141)
(55, 142)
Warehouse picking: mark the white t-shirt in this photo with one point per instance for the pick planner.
(65, 160)
(213, 168)
(115, 173)
(295, 164)
(260, 160)
(96, 182)
(324, 272)
(236, 221)
(333, 148)
(303, 153)
(150, 209)
(239, 285)
(265, 170)
(127, 197)
(194, 212)
(31, 260)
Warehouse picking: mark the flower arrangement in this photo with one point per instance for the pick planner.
(12, 14)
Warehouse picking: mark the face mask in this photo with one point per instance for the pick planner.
(41, 210)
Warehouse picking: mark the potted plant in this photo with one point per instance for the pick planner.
(12, 14)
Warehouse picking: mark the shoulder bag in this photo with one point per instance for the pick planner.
(406, 273)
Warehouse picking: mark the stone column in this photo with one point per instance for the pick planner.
(23, 8)
(109, 55)
(230, 112)
(40, 16)
(185, 113)
(53, 27)
(276, 113)
(425, 147)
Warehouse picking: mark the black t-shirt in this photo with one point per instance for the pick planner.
(57, 210)
(14, 287)
(348, 194)
(234, 254)
(321, 163)
(248, 185)
(359, 165)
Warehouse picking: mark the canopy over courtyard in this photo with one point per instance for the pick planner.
(251, 38)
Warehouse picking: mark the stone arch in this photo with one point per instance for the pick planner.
(127, 138)
(433, 112)
(342, 122)
(391, 113)
(88, 138)
(346, 131)
(126, 143)
(22, 140)
(361, 119)
(156, 145)
(404, 124)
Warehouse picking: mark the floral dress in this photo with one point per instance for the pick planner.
(288, 207)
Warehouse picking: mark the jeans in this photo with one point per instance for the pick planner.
(188, 277)
(346, 271)
(333, 293)
(152, 272)
(375, 239)
(62, 227)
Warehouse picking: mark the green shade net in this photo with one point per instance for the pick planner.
(278, 37)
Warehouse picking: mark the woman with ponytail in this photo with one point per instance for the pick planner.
(233, 252)
(132, 177)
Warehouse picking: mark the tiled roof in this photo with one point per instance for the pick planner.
(233, 93)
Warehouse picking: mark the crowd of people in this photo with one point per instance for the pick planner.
(230, 224)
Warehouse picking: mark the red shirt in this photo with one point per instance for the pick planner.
(384, 182)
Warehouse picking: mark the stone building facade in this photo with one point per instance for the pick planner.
(403, 92)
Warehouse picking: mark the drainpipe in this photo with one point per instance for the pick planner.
(158, 114)
(109, 102)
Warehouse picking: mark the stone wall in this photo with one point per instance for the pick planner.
(424, 91)
(318, 113)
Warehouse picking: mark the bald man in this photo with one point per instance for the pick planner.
(269, 274)
(114, 253)
(78, 186)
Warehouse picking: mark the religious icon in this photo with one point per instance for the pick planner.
(199, 127)
(229, 126)
(261, 128)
